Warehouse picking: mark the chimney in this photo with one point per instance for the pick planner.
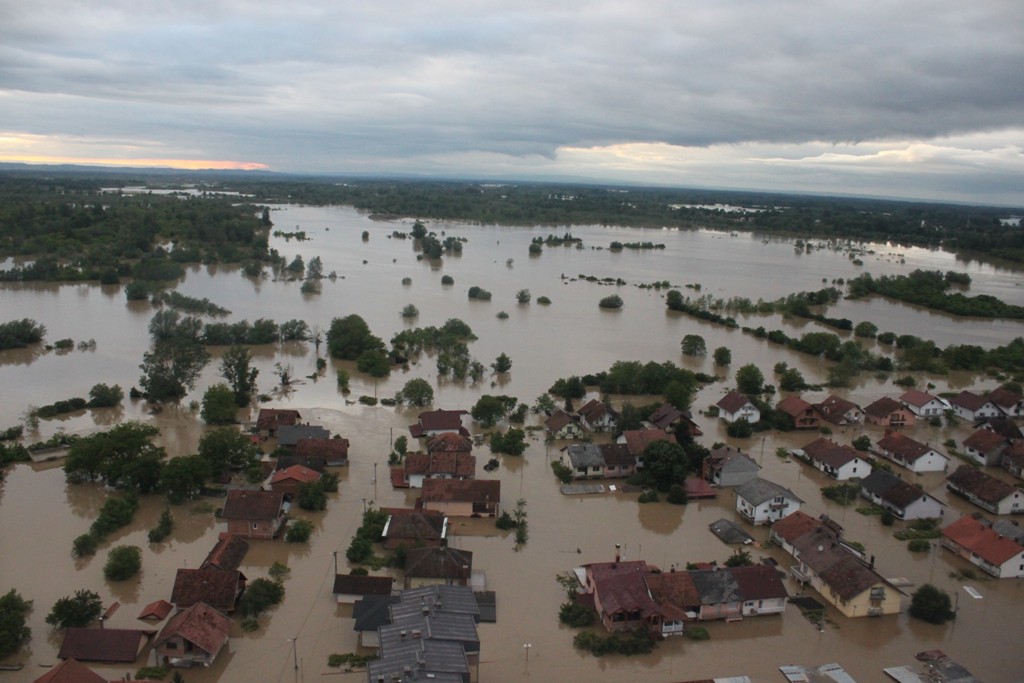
(872, 564)
(618, 553)
(402, 634)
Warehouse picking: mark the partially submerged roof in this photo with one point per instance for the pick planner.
(201, 625)
(354, 584)
(156, 610)
(70, 671)
(227, 553)
(118, 645)
(757, 491)
(255, 505)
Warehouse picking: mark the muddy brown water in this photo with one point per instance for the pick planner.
(40, 514)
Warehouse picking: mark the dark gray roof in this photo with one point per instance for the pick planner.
(289, 435)
(460, 628)
(716, 586)
(729, 532)
(444, 659)
(488, 603)
(371, 612)
(456, 599)
(757, 491)
(585, 455)
(879, 481)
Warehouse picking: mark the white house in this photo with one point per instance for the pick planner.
(914, 455)
(986, 447)
(736, 406)
(902, 499)
(762, 502)
(976, 541)
(985, 491)
(923, 404)
(838, 462)
(969, 406)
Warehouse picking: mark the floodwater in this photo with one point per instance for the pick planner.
(40, 514)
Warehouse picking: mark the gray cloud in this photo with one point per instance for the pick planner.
(458, 87)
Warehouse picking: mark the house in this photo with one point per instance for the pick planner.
(803, 413)
(370, 613)
(562, 425)
(71, 671)
(227, 553)
(986, 447)
(414, 529)
(839, 411)
(438, 565)
(986, 491)
(289, 436)
(760, 589)
(787, 530)
(450, 442)
(671, 419)
(618, 461)
(727, 466)
(284, 461)
(914, 455)
(621, 597)
(836, 571)
(974, 408)
(254, 514)
(760, 501)
(289, 480)
(348, 588)
(923, 404)
(192, 637)
(976, 541)
(900, 498)
(156, 611)
(434, 422)
(459, 498)
(736, 406)
(637, 441)
(1005, 427)
(598, 416)
(218, 588)
(438, 465)
(333, 451)
(889, 413)
(269, 420)
(1013, 460)
(586, 461)
(1009, 402)
(839, 462)
(107, 645)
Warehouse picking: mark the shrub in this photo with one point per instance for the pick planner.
(931, 604)
(676, 495)
(163, 528)
(260, 595)
(919, 545)
(697, 633)
(13, 632)
(740, 429)
(153, 673)
(650, 496)
(888, 518)
(299, 531)
(543, 300)
(562, 472)
(612, 302)
(447, 280)
(575, 615)
(84, 545)
(76, 611)
(505, 521)
(123, 563)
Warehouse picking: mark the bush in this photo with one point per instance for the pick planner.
(862, 442)
(259, 596)
(85, 545)
(76, 611)
(740, 429)
(505, 521)
(931, 604)
(299, 531)
(163, 528)
(544, 301)
(888, 518)
(919, 545)
(103, 396)
(13, 632)
(562, 472)
(576, 616)
(447, 280)
(676, 495)
(612, 302)
(650, 496)
(620, 642)
(697, 633)
(123, 563)
(153, 673)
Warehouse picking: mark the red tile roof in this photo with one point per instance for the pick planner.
(883, 407)
(674, 588)
(830, 453)
(256, 505)
(793, 405)
(298, 473)
(976, 482)
(794, 525)
(639, 439)
(71, 671)
(329, 449)
(759, 582)
(156, 610)
(984, 441)
(441, 420)
(227, 553)
(271, 419)
(981, 540)
(968, 400)
(459, 491)
(449, 442)
(218, 588)
(201, 625)
(902, 445)
(835, 408)
(558, 420)
(916, 397)
(1004, 398)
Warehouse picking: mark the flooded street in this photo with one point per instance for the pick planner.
(40, 514)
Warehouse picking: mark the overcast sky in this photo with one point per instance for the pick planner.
(905, 98)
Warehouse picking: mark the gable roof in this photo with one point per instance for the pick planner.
(1014, 455)
(757, 491)
(674, 588)
(290, 435)
(794, 525)
(449, 442)
(891, 488)
(119, 645)
(299, 473)
(617, 455)
(981, 485)
(355, 584)
(621, 586)
(715, 586)
(984, 441)
(727, 458)
(71, 671)
(559, 420)
(982, 540)
(201, 625)
(917, 398)
(452, 463)
(830, 453)
(849, 577)
(733, 401)
(273, 418)
(438, 563)
(216, 587)
(462, 491)
(1004, 426)
(759, 582)
(585, 455)
(1004, 398)
(664, 415)
(415, 526)
(883, 407)
(257, 505)
(637, 440)
(332, 449)
(969, 400)
(227, 553)
(793, 405)
(440, 420)
(372, 611)
(906, 448)
(156, 610)
(835, 408)
(594, 410)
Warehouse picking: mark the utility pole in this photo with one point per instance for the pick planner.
(295, 654)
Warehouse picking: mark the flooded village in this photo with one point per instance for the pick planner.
(785, 548)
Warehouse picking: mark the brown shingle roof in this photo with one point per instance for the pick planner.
(438, 563)
(835, 408)
(830, 453)
(227, 553)
(981, 485)
(1004, 398)
(732, 401)
(201, 625)
(903, 446)
(415, 527)
(984, 441)
(354, 584)
(459, 491)
(639, 439)
(793, 405)
(303, 475)
(916, 397)
(558, 420)
(674, 588)
(759, 582)
(454, 464)
(849, 577)
(968, 400)
(883, 407)
(449, 442)
(664, 415)
(272, 418)
(156, 610)
(329, 449)
(218, 588)
(794, 525)
(594, 410)
(257, 505)
(617, 455)
(103, 644)
(447, 420)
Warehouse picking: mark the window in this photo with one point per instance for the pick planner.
(255, 525)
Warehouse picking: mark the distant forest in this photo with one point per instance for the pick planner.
(62, 214)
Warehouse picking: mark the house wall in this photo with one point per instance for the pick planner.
(177, 651)
(749, 411)
(623, 471)
(854, 468)
(252, 529)
(767, 512)
(932, 461)
(929, 409)
(761, 607)
(452, 509)
(721, 610)
(864, 605)
(986, 411)
(369, 639)
(990, 459)
(900, 418)
(416, 481)
(924, 507)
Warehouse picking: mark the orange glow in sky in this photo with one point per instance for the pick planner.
(186, 164)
